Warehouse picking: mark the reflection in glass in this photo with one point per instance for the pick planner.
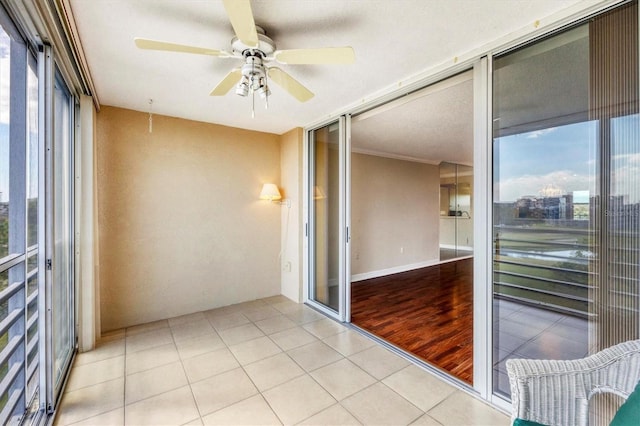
(456, 210)
(566, 204)
(544, 177)
(325, 214)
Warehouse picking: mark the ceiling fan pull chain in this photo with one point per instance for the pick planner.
(253, 91)
(266, 91)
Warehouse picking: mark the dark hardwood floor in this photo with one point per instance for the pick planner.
(427, 311)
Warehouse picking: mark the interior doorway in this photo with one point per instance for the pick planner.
(412, 224)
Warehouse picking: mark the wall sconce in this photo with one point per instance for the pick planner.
(271, 192)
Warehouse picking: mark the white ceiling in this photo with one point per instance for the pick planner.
(393, 40)
(432, 125)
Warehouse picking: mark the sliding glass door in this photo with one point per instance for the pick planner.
(327, 225)
(61, 234)
(566, 202)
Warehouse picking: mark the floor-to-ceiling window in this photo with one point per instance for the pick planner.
(19, 167)
(566, 200)
(36, 283)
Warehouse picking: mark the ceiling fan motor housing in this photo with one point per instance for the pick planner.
(265, 46)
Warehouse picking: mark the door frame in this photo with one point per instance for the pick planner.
(50, 389)
(481, 195)
(344, 216)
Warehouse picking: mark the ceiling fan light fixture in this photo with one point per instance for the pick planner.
(252, 45)
(242, 89)
(264, 91)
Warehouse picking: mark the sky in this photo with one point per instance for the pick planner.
(559, 158)
(563, 160)
(5, 44)
(32, 121)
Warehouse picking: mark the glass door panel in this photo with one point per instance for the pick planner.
(62, 233)
(566, 200)
(324, 205)
(544, 181)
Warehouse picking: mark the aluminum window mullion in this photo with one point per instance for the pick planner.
(311, 218)
(482, 288)
(306, 197)
(45, 221)
(347, 215)
(342, 225)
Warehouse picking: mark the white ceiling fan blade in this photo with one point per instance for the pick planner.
(144, 43)
(289, 84)
(241, 17)
(323, 55)
(227, 83)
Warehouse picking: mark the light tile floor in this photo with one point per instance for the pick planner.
(269, 361)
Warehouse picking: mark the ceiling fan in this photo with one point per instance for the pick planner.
(256, 49)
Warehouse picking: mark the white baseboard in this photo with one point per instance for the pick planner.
(394, 270)
(453, 247)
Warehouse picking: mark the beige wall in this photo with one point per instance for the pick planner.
(394, 214)
(292, 223)
(180, 224)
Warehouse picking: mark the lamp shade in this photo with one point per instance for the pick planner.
(270, 192)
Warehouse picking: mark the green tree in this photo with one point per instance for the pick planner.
(4, 236)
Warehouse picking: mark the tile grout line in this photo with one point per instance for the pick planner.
(247, 374)
(297, 327)
(186, 376)
(261, 396)
(307, 373)
(124, 382)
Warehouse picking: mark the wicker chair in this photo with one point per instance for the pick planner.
(554, 392)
